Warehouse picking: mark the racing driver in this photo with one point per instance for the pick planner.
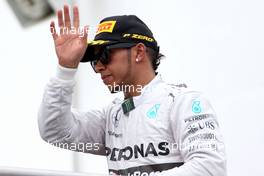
(157, 129)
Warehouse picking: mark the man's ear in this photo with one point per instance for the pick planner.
(140, 52)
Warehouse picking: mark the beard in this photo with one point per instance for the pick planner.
(115, 88)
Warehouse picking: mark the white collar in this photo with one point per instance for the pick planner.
(147, 89)
(156, 80)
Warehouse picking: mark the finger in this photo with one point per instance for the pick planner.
(76, 18)
(60, 21)
(67, 19)
(53, 30)
(86, 29)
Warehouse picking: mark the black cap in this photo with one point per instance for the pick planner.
(118, 32)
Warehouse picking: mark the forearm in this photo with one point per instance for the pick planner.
(55, 117)
(63, 128)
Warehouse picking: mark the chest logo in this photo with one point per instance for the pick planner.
(152, 112)
(116, 118)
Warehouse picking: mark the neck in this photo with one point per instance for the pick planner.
(135, 89)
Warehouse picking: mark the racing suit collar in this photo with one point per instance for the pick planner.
(148, 88)
(145, 90)
(156, 80)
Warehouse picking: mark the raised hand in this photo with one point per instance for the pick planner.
(70, 41)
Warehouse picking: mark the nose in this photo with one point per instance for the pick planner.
(99, 67)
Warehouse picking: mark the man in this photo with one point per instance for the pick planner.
(158, 129)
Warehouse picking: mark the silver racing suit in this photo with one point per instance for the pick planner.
(172, 131)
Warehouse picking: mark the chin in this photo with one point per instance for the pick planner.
(114, 87)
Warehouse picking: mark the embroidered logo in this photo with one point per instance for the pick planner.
(196, 108)
(106, 26)
(116, 118)
(152, 112)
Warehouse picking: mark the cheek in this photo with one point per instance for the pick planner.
(119, 73)
(119, 68)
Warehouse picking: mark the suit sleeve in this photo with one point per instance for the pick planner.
(197, 132)
(62, 127)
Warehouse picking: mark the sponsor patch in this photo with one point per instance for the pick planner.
(136, 151)
(128, 105)
(197, 117)
(98, 42)
(112, 133)
(203, 146)
(203, 136)
(196, 108)
(152, 112)
(139, 37)
(193, 128)
(106, 26)
(116, 118)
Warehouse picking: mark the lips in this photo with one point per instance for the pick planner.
(105, 78)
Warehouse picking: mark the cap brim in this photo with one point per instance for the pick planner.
(121, 45)
(89, 53)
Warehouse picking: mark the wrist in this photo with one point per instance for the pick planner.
(70, 65)
(65, 73)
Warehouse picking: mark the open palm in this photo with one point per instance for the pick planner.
(71, 41)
